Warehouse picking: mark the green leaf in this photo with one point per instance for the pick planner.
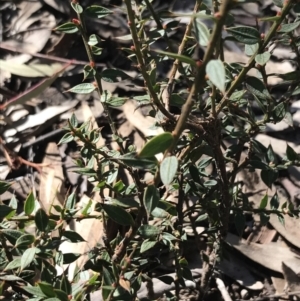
(34, 290)
(152, 76)
(4, 186)
(112, 75)
(96, 11)
(67, 28)
(61, 295)
(15, 264)
(71, 201)
(176, 100)
(11, 235)
(210, 183)
(88, 72)
(29, 204)
(68, 137)
(269, 176)
(291, 154)
(28, 257)
(168, 169)
(245, 34)
(70, 257)
(84, 88)
(203, 163)
(25, 240)
(216, 73)
(140, 163)
(5, 211)
(279, 112)
(65, 286)
(149, 231)
(251, 49)
(278, 3)
(159, 213)
(147, 245)
(156, 145)
(41, 220)
(274, 202)
(11, 278)
(264, 218)
(115, 102)
(285, 28)
(262, 58)
(201, 218)
(201, 33)
(118, 214)
(151, 198)
(125, 202)
(96, 51)
(47, 289)
(78, 8)
(94, 40)
(87, 208)
(271, 156)
(264, 202)
(73, 236)
(181, 58)
(166, 206)
(257, 88)
(74, 121)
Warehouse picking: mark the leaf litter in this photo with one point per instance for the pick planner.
(33, 23)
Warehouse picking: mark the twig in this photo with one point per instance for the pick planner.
(187, 107)
(14, 161)
(44, 56)
(288, 5)
(142, 67)
(169, 88)
(97, 78)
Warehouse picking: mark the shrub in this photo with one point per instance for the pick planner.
(216, 125)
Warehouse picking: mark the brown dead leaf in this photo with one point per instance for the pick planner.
(261, 254)
(52, 191)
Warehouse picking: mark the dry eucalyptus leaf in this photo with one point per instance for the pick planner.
(52, 190)
(261, 254)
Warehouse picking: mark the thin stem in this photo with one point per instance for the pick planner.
(240, 78)
(140, 59)
(187, 107)
(97, 78)
(169, 88)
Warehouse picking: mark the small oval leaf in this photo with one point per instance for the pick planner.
(4, 186)
(149, 231)
(151, 198)
(67, 28)
(168, 169)
(201, 33)
(29, 204)
(216, 73)
(41, 220)
(27, 257)
(147, 245)
(156, 145)
(84, 88)
(118, 214)
(245, 34)
(24, 240)
(262, 58)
